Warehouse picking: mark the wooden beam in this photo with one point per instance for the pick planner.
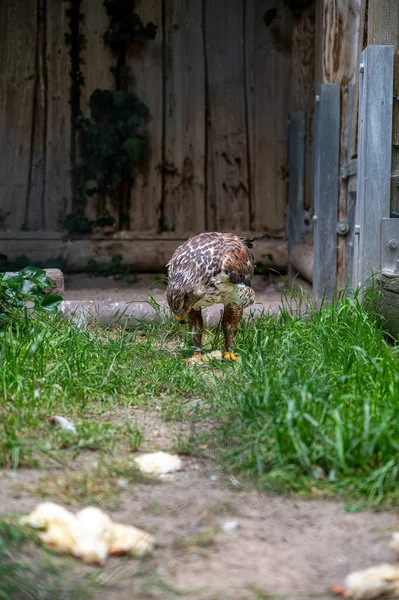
(326, 174)
(184, 114)
(374, 159)
(361, 44)
(302, 258)
(302, 83)
(298, 219)
(143, 254)
(383, 28)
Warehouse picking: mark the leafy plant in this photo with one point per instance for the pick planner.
(111, 140)
(115, 268)
(28, 285)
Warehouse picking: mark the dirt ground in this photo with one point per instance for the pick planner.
(82, 286)
(282, 546)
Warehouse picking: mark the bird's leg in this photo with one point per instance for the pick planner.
(196, 326)
(230, 322)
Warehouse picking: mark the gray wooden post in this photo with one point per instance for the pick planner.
(374, 159)
(326, 173)
(350, 196)
(298, 219)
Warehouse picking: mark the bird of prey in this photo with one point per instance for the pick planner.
(211, 268)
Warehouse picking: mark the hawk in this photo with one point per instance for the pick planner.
(211, 268)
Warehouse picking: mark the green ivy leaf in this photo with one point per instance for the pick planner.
(135, 147)
(50, 303)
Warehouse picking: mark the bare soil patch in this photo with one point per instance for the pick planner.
(281, 545)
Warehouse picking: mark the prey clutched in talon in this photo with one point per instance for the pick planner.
(230, 356)
(195, 359)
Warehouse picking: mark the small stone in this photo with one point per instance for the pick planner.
(122, 483)
(230, 527)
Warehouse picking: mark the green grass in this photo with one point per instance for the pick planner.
(313, 404)
(318, 398)
(26, 573)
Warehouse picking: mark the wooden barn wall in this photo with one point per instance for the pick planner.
(217, 83)
(35, 124)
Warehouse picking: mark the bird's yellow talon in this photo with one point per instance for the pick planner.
(231, 356)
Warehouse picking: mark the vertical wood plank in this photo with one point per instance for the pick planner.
(383, 28)
(146, 61)
(361, 44)
(96, 72)
(339, 56)
(18, 42)
(228, 205)
(326, 188)
(184, 191)
(35, 200)
(302, 82)
(298, 219)
(58, 191)
(374, 158)
(351, 198)
(267, 79)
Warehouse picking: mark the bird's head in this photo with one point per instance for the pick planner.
(180, 299)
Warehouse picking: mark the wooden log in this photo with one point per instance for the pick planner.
(184, 159)
(144, 254)
(132, 314)
(388, 303)
(301, 259)
(56, 279)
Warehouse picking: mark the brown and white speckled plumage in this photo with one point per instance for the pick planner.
(211, 268)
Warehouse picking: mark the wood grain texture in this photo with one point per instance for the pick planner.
(58, 185)
(361, 44)
(18, 81)
(149, 254)
(339, 59)
(228, 204)
(326, 189)
(302, 83)
(374, 158)
(302, 259)
(383, 28)
(35, 199)
(298, 219)
(97, 61)
(146, 62)
(267, 79)
(388, 303)
(184, 158)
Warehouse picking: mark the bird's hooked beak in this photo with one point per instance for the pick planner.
(182, 319)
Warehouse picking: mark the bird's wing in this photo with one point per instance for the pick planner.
(238, 262)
